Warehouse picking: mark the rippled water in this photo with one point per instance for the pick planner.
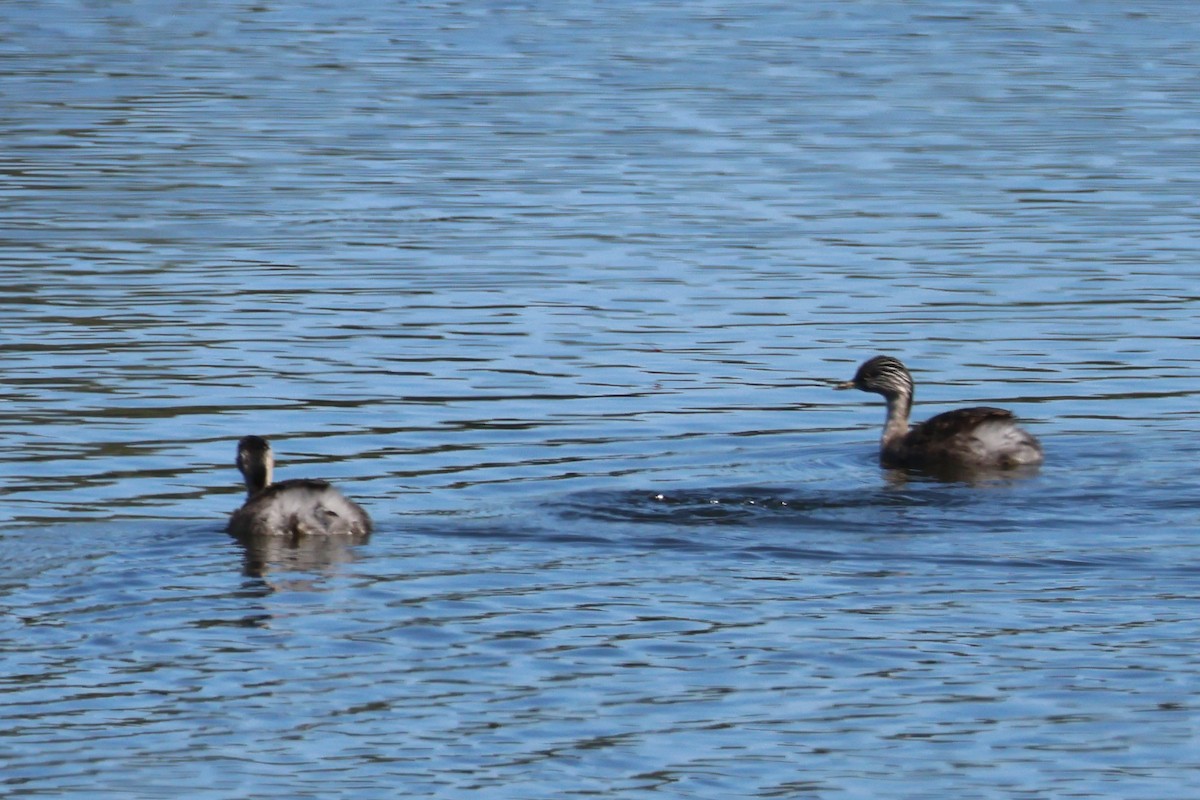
(559, 292)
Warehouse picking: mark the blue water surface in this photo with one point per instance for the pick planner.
(559, 292)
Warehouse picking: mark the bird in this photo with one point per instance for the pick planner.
(297, 507)
(975, 438)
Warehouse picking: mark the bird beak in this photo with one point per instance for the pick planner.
(845, 385)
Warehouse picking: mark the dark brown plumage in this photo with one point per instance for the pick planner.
(976, 438)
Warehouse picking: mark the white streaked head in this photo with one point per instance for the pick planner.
(882, 375)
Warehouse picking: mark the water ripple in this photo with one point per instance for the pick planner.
(559, 296)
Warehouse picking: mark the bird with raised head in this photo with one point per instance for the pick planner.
(297, 507)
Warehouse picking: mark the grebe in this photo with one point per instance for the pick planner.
(973, 438)
(297, 507)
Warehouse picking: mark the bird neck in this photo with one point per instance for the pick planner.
(899, 406)
(258, 477)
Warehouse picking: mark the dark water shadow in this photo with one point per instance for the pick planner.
(997, 520)
(820, 509)
(963, 474)
(266, 555)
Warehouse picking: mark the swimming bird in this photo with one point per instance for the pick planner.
(298, 507)
(972, 438)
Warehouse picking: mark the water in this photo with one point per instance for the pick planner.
(558, 291)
